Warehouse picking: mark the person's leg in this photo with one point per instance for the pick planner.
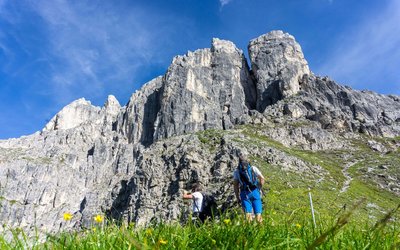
(258, 218)
(202, 217)
(257, 204)
(249, 216)
(246, 206)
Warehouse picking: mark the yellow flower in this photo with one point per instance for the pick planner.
(149, 231)
(298, 225)
(67, 216)
(98, 218)
(227, 221)
(162, 242)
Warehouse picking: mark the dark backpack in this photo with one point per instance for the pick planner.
(209, 206)
(248, 177)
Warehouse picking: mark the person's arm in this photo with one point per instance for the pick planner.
(261, 180)
(187, 195)
(236, 189)
(260, 177)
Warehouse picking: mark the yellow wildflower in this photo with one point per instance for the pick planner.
(298, 225)
(227, 221)
(98, 218)
(149, 231)
(162, 242)
(67, 216)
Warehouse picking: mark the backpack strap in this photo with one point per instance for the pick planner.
(254, 176)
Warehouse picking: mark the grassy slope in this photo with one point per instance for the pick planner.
(287, 215)
(334, 161)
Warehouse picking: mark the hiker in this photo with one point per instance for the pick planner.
(197, 198)
(248, 180)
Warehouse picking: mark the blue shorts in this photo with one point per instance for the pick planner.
(251, 201)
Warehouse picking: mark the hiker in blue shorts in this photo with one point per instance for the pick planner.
(247, 183)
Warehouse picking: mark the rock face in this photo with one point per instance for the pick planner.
(137, 122)
(81, 112)
(278, 65)
(132, 162)
(203, 90)
(340, 108)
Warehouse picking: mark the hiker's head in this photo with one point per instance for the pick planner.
(196, 187)
(243, 160)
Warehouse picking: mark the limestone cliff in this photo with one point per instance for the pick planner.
(132, 162)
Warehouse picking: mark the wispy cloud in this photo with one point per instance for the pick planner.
(90, 45)
(89, 48)
(53, 52)
(369, 50)
(224, 2)
(3, 47)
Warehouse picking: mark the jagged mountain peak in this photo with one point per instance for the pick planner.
(272, 35)
(72, 115)
(90, 160)
(279, 65)
(112, 105)
(215, 88)
(219, 45)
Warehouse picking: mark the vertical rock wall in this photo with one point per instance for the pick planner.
(278, 64)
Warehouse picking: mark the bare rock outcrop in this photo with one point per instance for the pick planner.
(278, 65)
(131, 162)
(340, 108)
(81, 112)
(205, 89)
(137, 122)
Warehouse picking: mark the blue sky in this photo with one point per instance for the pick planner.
(53, 52)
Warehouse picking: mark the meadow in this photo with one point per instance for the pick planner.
(362, 216)
(290, 227)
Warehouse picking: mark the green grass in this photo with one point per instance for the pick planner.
(342, 222)
(210, 138)
(279, 230)
(334, 161)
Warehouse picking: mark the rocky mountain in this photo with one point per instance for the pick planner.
(132, 162)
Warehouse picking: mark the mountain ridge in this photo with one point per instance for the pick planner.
(131, 162)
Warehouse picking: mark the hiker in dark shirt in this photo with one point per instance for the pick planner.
(247, 183)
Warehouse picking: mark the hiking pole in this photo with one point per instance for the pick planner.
(312, 208)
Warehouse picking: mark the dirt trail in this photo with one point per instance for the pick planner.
(346, 174)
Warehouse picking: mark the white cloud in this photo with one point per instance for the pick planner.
(368, 53)
(92, 48)
(86, 49)
(224, 2)
(92, 44)
(3, 47)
